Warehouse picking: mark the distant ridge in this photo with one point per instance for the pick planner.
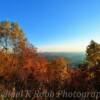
(75, 58)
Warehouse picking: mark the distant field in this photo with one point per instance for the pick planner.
(75, 58)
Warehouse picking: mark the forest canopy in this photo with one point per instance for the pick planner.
(23, 68)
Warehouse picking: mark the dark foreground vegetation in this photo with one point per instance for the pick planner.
(26, 75)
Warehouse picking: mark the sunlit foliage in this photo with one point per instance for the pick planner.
(23, 68)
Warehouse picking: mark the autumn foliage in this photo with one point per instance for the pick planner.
(23, 68)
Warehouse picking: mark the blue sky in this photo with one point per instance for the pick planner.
(55, 25)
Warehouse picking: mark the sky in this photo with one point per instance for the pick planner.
(55, 25)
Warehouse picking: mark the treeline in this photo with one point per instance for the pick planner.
(22, 68)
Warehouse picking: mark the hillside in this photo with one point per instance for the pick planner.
(75, 58)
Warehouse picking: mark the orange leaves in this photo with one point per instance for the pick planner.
(58, 70)
(23, 59)
(5, 25)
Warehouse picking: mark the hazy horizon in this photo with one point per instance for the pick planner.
(62, 48)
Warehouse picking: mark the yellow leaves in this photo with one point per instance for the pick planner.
(60, 61)
(91, 75)
(58, 70)
(93, 54)
(5, 24)
(12, 37)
